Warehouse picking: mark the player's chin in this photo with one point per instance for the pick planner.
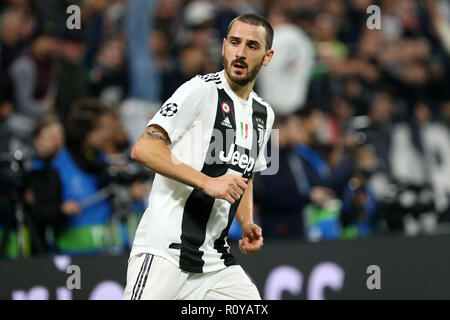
(240, 79)
(241, 74)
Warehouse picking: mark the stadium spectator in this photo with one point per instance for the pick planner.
(71, 76)
(359, 212)
(326, 179)
(108, 77)
(291, 67)
(161, 46)
(190, 62)
(52, 15)
(32, 76)
(319, 170)
(127, 182)
(81, 168)
(306, 176)
(281, 198)
(144, 81)
(43, 194)
(420, 162)
(339, 122)
(382, 116)
(12, 39)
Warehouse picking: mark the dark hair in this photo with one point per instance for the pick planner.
(76, 35)
(255, 20)
(83, 118)
(44, 122)
(306, 110)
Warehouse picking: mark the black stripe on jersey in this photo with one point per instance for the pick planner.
(137, 284)
(139, 295)
(198, 206)
(211, 77)
(219, 244)
(259, 117)
(174, 245)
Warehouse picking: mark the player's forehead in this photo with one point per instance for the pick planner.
(248, 32)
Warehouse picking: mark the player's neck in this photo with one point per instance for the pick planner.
(242, 92)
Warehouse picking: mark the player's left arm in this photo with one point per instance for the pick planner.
(252, 239)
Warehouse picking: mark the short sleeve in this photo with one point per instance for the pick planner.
(261, 162)
(181, 109)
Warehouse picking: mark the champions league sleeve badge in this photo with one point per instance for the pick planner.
(169, 110)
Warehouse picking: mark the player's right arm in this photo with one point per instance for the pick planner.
(151, 150)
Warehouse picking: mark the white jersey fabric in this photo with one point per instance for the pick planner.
(152, 277)
(215, 132)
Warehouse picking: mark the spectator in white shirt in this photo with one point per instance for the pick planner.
(284, 84)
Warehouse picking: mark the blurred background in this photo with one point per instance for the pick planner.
(363, 117)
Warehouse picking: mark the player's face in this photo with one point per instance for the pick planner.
(244, 52)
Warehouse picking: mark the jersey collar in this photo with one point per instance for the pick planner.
(234, 96)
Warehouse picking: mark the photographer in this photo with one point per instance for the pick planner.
(359, 214)
(81, 169)
(42, 193)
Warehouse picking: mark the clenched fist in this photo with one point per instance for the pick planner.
(229, 187)
(252, 239)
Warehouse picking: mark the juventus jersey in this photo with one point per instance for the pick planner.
(215, 132)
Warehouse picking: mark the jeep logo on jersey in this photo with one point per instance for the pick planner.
(237, 159)
(169, 110)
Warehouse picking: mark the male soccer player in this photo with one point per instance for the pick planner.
(204, 180)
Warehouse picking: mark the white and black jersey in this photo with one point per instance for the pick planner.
(215, 132)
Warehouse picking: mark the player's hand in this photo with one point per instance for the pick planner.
(320, 195)
(252, 239)
(70, 208)
(229, 187)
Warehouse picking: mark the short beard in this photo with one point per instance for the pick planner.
(244, 81)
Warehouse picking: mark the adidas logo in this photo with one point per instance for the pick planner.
(227, 123)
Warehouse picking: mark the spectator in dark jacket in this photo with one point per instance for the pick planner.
(282, 197)
(43, 191)
(108, 77)
(71, 77)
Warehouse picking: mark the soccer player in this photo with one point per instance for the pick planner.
(205, 143)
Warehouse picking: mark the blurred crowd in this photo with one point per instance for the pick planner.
(362, 115)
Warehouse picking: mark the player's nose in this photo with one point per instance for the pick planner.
(240, 52)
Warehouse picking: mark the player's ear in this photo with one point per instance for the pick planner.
(268, 57)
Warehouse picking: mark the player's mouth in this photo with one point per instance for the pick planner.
(239, 66)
